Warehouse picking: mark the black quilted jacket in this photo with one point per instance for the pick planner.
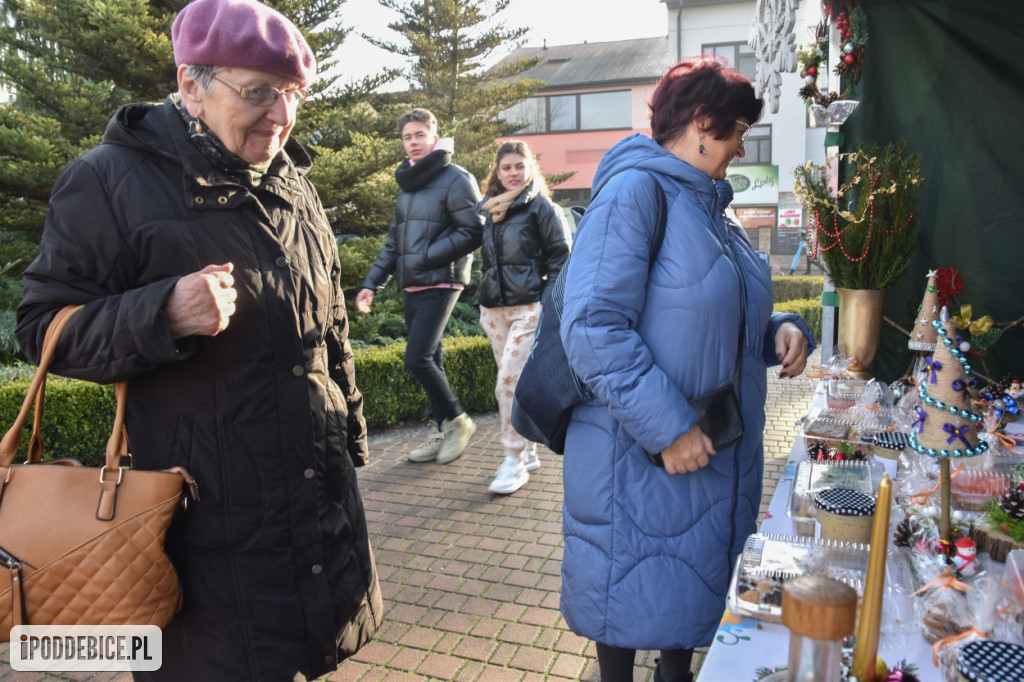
(274, 559)
(435, 230)
(524, 252)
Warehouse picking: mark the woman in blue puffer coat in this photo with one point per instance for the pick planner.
(649, 549)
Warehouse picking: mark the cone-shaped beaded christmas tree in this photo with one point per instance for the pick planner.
(923, 336)
(948, 428)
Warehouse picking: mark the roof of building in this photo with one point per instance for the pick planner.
(595, 64)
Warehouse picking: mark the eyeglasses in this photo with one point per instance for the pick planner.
(264, 95)
(746, 131)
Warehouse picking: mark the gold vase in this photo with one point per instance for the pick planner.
(860, 327)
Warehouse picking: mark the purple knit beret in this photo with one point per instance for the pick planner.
(242, 33)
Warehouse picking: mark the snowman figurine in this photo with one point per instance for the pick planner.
(966, 557)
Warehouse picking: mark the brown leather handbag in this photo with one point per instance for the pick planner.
(83, 546)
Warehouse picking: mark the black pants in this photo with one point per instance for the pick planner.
(426, 314)
(617, 664)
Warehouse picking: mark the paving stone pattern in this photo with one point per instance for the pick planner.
(470, 579)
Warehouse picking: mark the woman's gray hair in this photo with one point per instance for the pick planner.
(202, 74)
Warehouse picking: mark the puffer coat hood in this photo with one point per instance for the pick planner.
(523, 253)
(648, 556)
(275, 563)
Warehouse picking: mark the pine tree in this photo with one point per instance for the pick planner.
(448, 42)
(66, 65)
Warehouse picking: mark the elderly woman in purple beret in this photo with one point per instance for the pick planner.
(210, 280)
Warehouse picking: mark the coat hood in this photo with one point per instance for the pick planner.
(158, 129)
(641, 152)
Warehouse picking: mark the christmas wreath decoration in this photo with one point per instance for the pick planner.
(852, 24)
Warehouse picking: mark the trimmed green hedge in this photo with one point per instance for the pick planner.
(79, 414)
(391, 395)
(809, 309)
(77, 422)
(792, 288)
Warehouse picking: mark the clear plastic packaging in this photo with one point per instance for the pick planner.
(843, 393)
(814, 476)
(1014, 575)
(769, 559)
(974, 490)
(848, 431)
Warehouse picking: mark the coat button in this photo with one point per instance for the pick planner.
(309, 473)
(329, 660)
(198, 201)
(282, 262)
(222, 200)
(317, 569)
(298, 370)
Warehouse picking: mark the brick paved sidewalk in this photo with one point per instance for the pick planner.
(470, 579)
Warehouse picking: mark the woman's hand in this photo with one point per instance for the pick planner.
(791, 349)
(202, 303)
(689, 453)
(363, 300)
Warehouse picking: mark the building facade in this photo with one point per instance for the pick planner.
(597, 94)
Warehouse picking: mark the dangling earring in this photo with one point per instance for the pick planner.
(700, 137)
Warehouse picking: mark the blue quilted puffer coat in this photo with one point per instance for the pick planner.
(648, 556)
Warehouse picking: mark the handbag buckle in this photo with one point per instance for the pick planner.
(120, 474)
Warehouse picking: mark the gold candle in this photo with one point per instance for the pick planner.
(865, 651)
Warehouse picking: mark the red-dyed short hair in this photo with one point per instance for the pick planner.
(700, 87)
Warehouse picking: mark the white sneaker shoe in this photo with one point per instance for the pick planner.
(511, 476)
(457, 433)
(531, 459)
(428, 452)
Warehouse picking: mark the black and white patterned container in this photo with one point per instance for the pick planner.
(845, 515)
(891, 440)
(988, 661)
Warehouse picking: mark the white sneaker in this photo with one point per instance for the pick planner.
(531, 459)
(428, 452)
(457, 433)
(511, 476)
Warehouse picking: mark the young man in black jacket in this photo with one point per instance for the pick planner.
(429, 251)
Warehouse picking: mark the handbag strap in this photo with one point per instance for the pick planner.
(117, 445)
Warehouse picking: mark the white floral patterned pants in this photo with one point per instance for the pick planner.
(511, 330)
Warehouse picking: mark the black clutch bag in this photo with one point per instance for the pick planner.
(719, 418)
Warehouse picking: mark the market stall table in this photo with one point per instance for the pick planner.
(743, 645)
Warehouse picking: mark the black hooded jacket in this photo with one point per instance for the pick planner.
(275, 563)
(436, 226)
(524, 252)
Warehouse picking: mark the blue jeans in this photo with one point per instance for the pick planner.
(426, 314)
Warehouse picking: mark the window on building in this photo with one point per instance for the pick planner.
(563, 113)
(532, 113)
(758, 147)
(739, 55)
(604, 110)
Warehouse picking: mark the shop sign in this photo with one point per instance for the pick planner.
(754, 184)
(790, 222)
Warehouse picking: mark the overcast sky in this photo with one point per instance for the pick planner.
(559, 22)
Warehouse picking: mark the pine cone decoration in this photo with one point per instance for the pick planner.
(808, 92)
(1013, 504)
(905, 531)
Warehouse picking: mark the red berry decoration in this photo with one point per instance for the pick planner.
(812, 71)
(849, 59)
